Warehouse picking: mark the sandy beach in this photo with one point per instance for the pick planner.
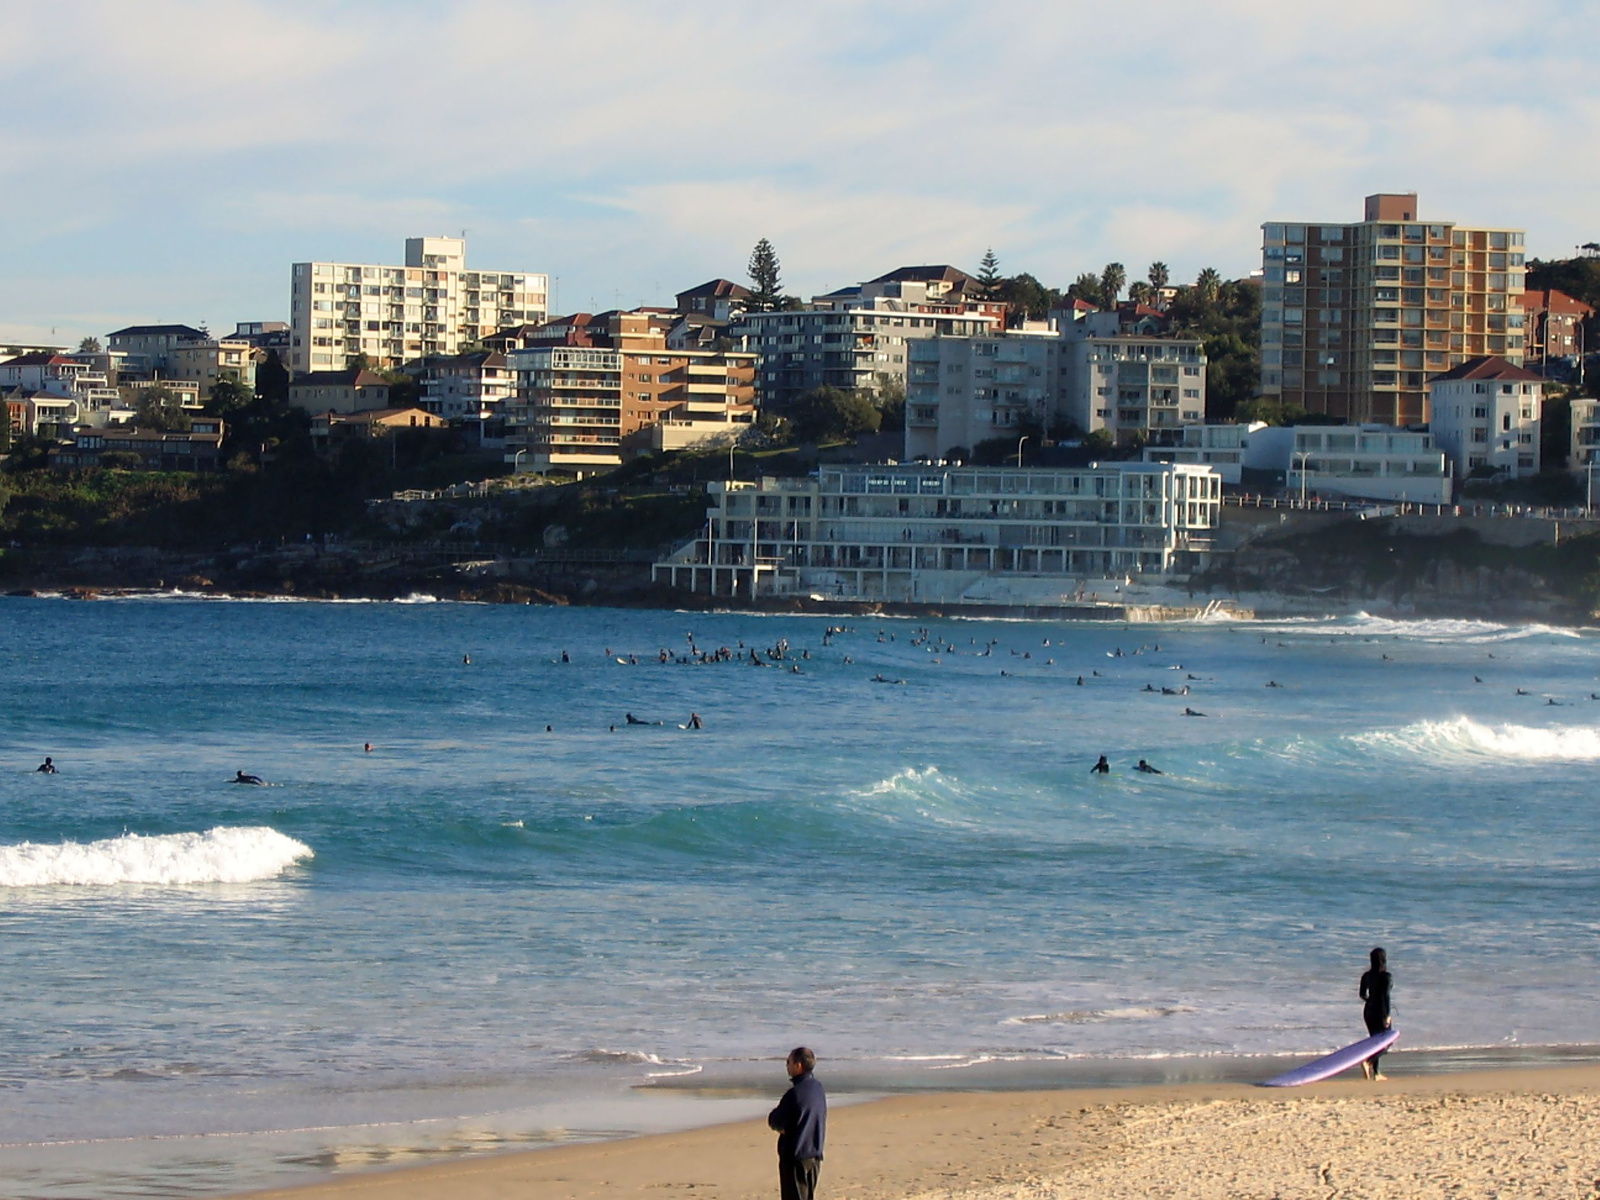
(1522, 1133)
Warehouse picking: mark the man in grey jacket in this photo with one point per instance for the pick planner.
(801, 1120)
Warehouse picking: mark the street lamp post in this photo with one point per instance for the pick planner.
(1589, 491)
(1020, 440)
(516, 460)
(1304, 456)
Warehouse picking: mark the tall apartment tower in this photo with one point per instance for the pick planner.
(1355, 319)
(430, 306)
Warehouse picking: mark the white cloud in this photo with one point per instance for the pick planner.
(634, 148)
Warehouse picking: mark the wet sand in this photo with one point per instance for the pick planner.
(1531, 1132)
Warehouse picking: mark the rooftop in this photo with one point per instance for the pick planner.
(1492, 367)
(186, 332)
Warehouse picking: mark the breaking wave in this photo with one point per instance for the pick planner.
(1099, 1015)
(1466, 737)
(1444, 631)
(226, 854)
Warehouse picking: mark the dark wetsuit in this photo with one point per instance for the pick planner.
(1375, 987)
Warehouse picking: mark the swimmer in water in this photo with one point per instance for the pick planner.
(1080, 680)
(47, 767)
(255, 780)
(1273, 683)
(1150, 687)
(1189, 712)
(695, 722)
(466, 660)
(1101, 768)
(1146, 769)
(367, 747)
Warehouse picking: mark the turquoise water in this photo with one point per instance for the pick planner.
(482, 934)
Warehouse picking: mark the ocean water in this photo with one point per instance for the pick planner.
(482, 935)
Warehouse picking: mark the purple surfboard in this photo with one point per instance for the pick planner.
(1339, 1060)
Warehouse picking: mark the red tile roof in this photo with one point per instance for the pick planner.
(1493, 367)
(1534, 300)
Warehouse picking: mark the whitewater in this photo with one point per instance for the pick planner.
(517, 919)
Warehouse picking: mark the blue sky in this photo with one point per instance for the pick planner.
(168, 159)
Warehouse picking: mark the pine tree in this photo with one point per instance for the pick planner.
(766, 290)
(989, 274)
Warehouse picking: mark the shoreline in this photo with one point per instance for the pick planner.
(1252, 607)
(1517, 1130)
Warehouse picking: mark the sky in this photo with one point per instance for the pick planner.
(167, 160)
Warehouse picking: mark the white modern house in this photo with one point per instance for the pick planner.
(1486, 413)
(944, 534)
(1221, 447)
(1365, 462)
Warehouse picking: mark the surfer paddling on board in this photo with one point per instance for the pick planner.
(1375, 984)
(253, 780)
(1145, 768)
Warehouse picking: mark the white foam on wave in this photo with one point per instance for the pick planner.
(226, 854)
(1464, 737)
(909, 780)
(1471, 633)
(229, 598)
(672, 1068)
(1099, 1015)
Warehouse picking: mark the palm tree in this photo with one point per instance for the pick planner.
(1086, 287)
(1158, 276)
(1111, 281)
(1141, 292)
(1208, 283)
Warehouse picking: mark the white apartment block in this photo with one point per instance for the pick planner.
(1221, 447)
(964, 390)
(1134, 387)
(1585, 453)
(1486, 416)
(474, 390)
(937, 534)
(1367, 462)
(432, 305)
(856, 344)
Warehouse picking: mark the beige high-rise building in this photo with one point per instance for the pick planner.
(1355, 318)
(432, 305)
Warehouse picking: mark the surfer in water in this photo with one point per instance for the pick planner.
(1101, 768)
(633, 720)
(1146, 768)
(47, 767)
(1375, 985)
(253, 780)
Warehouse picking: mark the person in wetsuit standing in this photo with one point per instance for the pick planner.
(1375, 985)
